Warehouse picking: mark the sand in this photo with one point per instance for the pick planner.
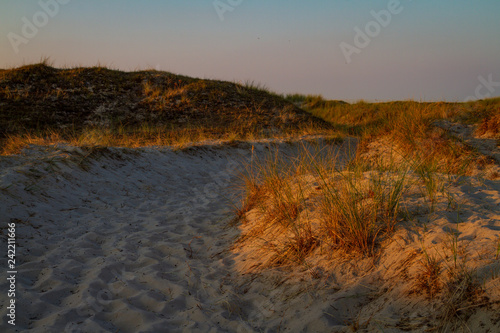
(126, 240)
(140, 240)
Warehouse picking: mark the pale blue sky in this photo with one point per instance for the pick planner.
(430, 50)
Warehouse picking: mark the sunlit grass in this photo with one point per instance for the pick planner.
(410, 128)
(147, 135)
(314, 204)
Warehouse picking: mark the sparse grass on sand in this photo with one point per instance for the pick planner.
(147, 135)
(312, 203)
(316, 214)
(410, 128)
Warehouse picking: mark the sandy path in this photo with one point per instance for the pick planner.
(128, 241)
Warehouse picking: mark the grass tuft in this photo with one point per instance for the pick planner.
(296, 208)
(428, 276)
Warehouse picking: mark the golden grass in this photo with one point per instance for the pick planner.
(297, 207)
(360, 208)
(147, 136)
(269, 189)
(360, 205)
(428, 276)
(490, 125)
(410, 128)
(313, 207)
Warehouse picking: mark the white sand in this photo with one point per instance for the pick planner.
(137, 241)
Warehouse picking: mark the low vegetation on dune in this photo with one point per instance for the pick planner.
(490, 123)
(401, 216)
(98, 106)
(432, 133)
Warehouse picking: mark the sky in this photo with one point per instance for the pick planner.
(384, 50)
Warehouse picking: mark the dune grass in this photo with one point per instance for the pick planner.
(411, 128)
(100, 106)
(314, 204)
(360, 203)
(147, 135)
(269, 188)
(295, 213)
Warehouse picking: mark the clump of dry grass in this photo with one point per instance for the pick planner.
(359, 209)
(490, 125)
(278, 201)
(290, 211)
(428, 276)
(413, 133)
(458, 293)
(461, 294)
(450, 280)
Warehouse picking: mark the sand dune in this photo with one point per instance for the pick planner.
(132, 240)
(139, 240)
